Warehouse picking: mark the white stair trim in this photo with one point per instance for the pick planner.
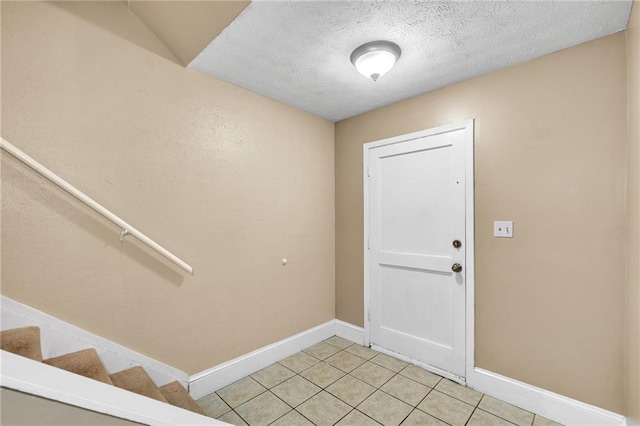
(209, 381)
(59, 338)
(543, 402)
(32, 377)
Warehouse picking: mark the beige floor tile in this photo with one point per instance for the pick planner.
(457, 391)
(213, 405)
(324, 409)
(406, 390)
(385, 409)
(345, 361)
(263, 409)
(293, 418)
(351, 390)
(338, 342)
(356, 418)
(543, 421)
(272, 375)
(249, 402)
(419, 418)
(322, 374)
(482, 418)
(295, 391)
(299, 362)
(506, 411)
(372, 374)
(421, 375)
(446, 408)
(241, 391)
(232, 418)
(389, 362)
(361, 351)
(321, 350)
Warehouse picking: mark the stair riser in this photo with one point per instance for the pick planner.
(59, 338)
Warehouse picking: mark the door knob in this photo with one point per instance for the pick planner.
(457, 243)
(456, 267)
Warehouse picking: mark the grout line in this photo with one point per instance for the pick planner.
(472, 413)
(285, 414)
(480, 400)
(349, 373)
(425, 397)
(305, 417)
(348, 412)
(369, 417)
(242, 418)
(455, 397)
(435, 416)
(289, 405)
(498, 415)
(495, 415)
(405, 418)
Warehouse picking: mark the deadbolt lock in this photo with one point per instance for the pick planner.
(456, 267)
(457, 243)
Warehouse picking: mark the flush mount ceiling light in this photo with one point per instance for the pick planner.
(376, 58)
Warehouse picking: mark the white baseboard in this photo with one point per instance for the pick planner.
(350, 332)
(539, 401)
(36, 378)
(545, 403)
(59, 338)
(209, 381)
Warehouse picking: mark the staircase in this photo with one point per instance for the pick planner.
(25, 342)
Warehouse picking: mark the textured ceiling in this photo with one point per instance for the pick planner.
(297, 52)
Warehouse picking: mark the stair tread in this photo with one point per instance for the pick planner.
(23, 341)
(176, 395)
(85, 362)
(137, 380)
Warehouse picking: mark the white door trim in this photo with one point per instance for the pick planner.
(467, 125)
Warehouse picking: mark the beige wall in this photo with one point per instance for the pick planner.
(187, 27)
(550, 154)
(21, 409)
(633, 218)
(230, 181)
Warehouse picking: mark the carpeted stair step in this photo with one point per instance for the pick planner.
(176, 395)
(85, 362)
(23, 341)
(137, 380)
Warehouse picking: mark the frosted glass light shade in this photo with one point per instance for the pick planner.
(375, 59)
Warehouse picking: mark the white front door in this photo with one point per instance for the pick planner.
(416, 245)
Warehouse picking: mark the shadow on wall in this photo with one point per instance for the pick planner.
(117, 22)
(41, 191)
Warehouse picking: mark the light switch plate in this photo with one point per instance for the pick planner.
(503, 229)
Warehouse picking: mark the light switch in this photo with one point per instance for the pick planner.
(503, 229)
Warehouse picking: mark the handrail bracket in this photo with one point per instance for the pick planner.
(66, 186)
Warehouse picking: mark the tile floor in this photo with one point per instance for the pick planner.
(340, 383)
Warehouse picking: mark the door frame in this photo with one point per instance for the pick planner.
(468, 126)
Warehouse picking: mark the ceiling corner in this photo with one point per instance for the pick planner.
(186, 27)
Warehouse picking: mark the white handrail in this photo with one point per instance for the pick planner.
(126, 228)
